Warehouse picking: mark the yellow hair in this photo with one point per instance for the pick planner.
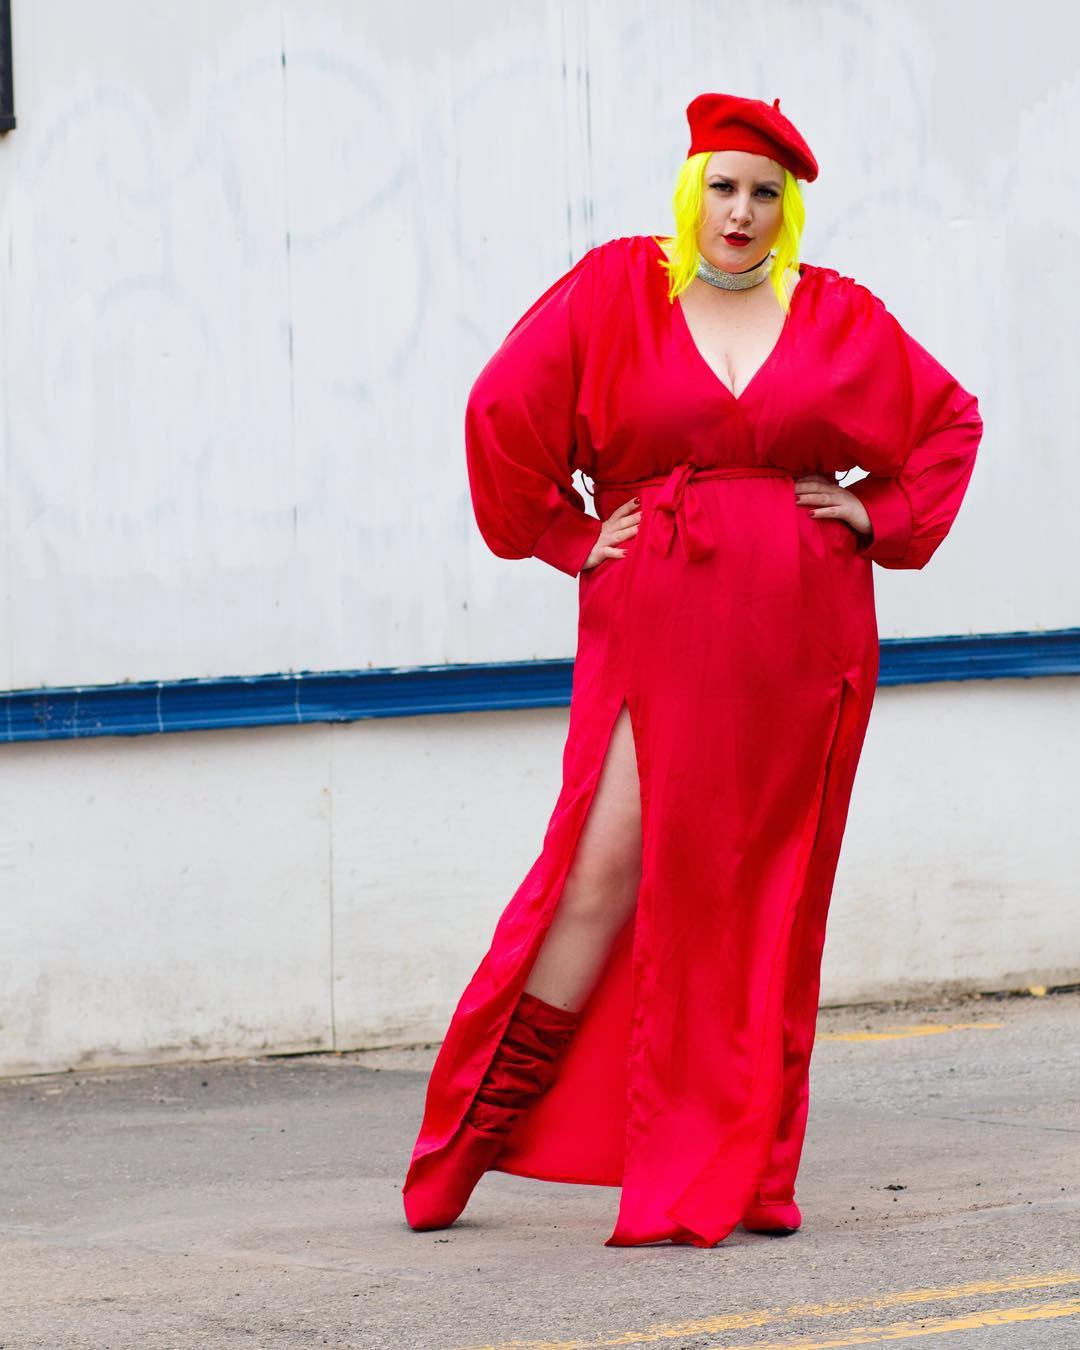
(688, 204)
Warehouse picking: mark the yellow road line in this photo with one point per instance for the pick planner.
(900, 1033)
(705, 1326)
(927, 1326)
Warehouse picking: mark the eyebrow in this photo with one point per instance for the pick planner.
(761, 182)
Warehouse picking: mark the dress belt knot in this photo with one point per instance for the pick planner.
(677, 509)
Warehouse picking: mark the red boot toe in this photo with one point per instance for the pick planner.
(440, 1189)
(777, 1218)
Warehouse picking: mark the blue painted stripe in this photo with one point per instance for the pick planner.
(348, 695)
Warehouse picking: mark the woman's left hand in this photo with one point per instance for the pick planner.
(825, 497)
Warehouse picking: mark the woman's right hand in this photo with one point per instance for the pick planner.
(621, 525)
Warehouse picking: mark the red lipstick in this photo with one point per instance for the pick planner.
(739, 240)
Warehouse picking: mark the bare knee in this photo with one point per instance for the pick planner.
(600, 899)
(602, 883)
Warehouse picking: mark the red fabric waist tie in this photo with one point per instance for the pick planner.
(675, 508)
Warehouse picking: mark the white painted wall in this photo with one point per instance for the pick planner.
(242, 299)
(241, 302)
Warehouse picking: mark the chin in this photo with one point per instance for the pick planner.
(742, 263)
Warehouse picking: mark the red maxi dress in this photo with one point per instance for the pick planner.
(742, 634)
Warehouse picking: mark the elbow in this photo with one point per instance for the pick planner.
(967, 427)
(485, 397)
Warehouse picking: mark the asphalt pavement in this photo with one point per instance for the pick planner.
(258, 1203)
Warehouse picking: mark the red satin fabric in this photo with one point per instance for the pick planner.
(741, 633)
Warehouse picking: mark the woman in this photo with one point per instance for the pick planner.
(645, 1014)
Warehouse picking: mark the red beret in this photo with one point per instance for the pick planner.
(726, 122)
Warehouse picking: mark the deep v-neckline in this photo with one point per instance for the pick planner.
(679, 317)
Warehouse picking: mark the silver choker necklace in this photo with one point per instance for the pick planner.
(734, 281)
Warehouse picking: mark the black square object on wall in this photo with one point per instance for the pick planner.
(7, 78)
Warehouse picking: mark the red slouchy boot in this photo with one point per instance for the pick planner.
(524, 1066)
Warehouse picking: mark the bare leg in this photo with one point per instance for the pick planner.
(602, 884)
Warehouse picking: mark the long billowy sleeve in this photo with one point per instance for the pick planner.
(520, 430)
(921, 451)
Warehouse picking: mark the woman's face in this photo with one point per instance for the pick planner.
(742, 194)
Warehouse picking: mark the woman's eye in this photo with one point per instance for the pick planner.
(763, 192)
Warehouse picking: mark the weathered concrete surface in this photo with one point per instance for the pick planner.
(258, 1203)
